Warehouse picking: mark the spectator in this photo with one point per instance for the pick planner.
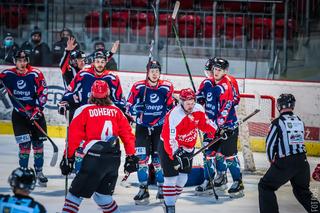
(40, 54)
(22, 182)
(100, 46)
(8, 49)
(59, 47)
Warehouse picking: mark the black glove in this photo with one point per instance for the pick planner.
(131, 164)
(63, 106)
(224, 132)
(181, 160)
(66, 168)
(36, 114)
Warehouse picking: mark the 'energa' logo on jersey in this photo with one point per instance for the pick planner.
(209, 96)
(154, 98)
(21, 84)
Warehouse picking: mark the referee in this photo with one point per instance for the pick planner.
(287, 155)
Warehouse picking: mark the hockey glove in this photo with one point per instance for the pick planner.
(138, 108)
(77, 98)
(181, 160)
(224, 132)
(316, 173)
(131, 164)
(63, 106)
(66, 168)
(36, 114)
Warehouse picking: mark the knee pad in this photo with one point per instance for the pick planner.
(143, 162)
(233, 161)
(220, 163)
(209, 167)
(25, 147)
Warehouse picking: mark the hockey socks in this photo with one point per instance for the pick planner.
(71, 203)
(106, 203)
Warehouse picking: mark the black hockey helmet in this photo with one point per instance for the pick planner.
(286, 101)
(209, 64)
(22, 178)
(100, 54)
(21, 54)
(76, 54)
(220, 63)
(154, 65)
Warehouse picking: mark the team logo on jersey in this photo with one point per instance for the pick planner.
(224, 113)
(154, 98)
(21, 84)
(289, 125)
(209, 96)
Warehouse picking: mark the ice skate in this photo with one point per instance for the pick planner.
(41, 179)
(236, 190)
(142, 198)
(220, 182)
(204, 189)
(169, 209)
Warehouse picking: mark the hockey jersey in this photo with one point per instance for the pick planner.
(29, 88)
(220, 100)
(82, 82)
(92, 123)
(68, 71)
(157, 102)
(181, 130)
(20, 203)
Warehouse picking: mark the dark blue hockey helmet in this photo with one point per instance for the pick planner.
(154, 65)
(100, 54)
(286, 101)
(22, 178)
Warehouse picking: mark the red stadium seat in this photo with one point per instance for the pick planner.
(140, 21)
(262, 28)
(280, 29)
(189, 25)
(232, 6)
(280, 8)
(165, 25)
(206, 5)
(91, 22)
(208, 26)
(118, 3)
(235, 27)
(186, 4)
(139, 3)
(14, 16)
(257, 7)
(164, 4)
(119, 22)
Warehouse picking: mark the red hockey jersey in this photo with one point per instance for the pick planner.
(92, 123)
(181, 130)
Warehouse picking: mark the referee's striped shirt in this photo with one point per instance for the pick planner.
(286, 136)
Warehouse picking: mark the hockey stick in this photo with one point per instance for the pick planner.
(124, 179)
(174, 15)
(66, 155)
(224, 136)
(54, 146)
(3, 98)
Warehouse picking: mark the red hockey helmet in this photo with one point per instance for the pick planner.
(100, 89)
(187, 94)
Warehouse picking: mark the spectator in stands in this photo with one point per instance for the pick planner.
(59, 47)
(8, 49)
(100, 46)
(40, 54)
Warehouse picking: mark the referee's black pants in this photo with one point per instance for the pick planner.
(294, 168)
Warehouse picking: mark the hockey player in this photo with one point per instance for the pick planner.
(149, 100)
(220, 94)
(179, 136)
(98, 124)
(72, 62)
(288, 162)
(79, 89)
(28, 85)
(22, 182)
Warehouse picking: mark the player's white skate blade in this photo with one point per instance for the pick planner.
(237, 194)
(204, 193)
(41, 184)
(142, 202)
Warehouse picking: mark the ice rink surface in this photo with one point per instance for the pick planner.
(52, 197)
